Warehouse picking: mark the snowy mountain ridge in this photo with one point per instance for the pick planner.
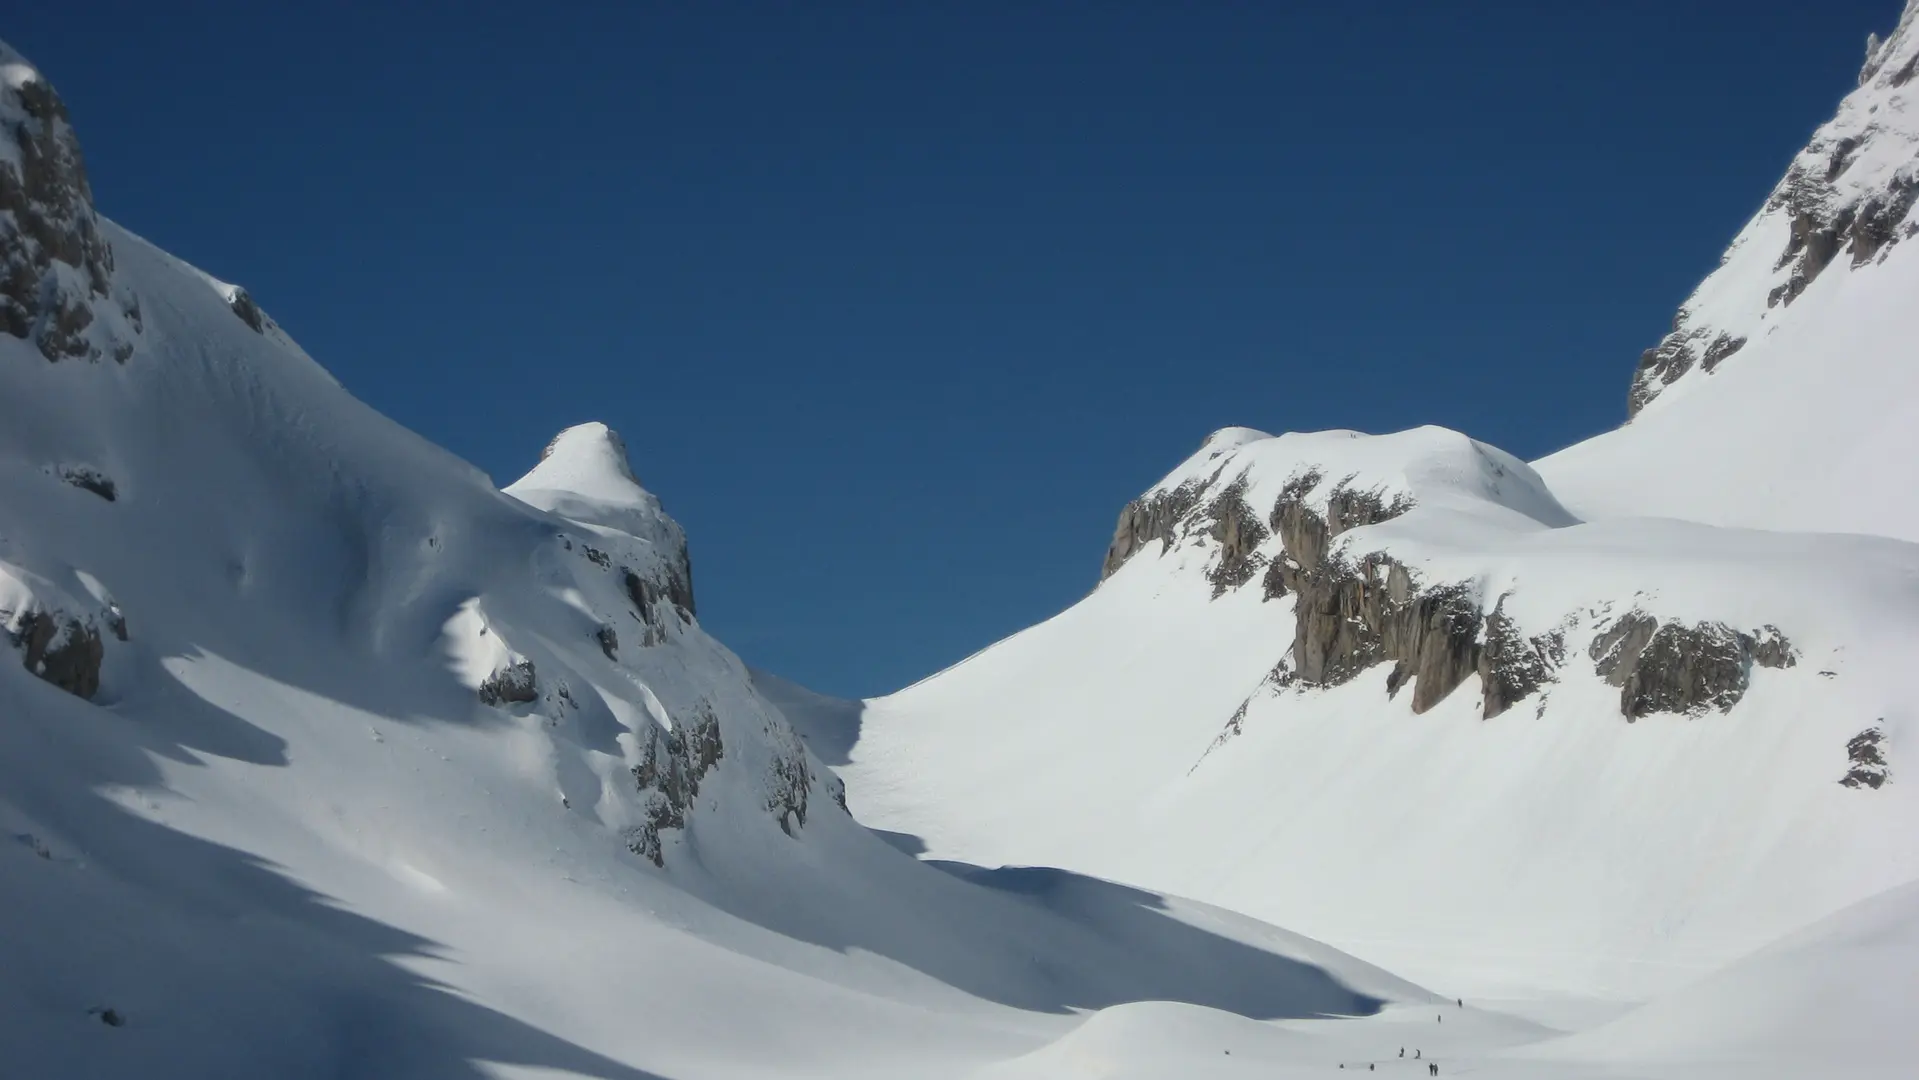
(1784, 396)
(1848, 193)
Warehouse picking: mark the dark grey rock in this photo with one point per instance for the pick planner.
(61, 650)
(241, 302)
(1238, 531)
(88, 478)
(1147, 519)
(1865, 753)
(1683, 668)
(1513, 666)
(1770, 649)
(47, 218)
(788, 786)
(514, 684)
(671, 768)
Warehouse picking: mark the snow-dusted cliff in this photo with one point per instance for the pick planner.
(1784, 398)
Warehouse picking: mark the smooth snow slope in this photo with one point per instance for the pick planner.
(321, 757)
(1144, 735)
(1813, 422)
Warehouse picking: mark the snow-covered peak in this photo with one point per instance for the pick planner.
(588, 460)
(584, 476)
(57, 286)
(1841, 208)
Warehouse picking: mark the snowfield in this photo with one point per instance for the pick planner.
(320, 756)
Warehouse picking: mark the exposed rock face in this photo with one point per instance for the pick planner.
(61, 650)
(1306, 534)
(1677, 353)
(1238, 531)
(249, 312)
(669, 774)
(1145, 520)
(56, 270)
(1679, 668)
(1865, 752)
(654, 598)
(1512, 666)
(513, 684)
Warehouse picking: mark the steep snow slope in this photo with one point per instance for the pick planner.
(1386, 690)
(1787, 394)
(319, 756)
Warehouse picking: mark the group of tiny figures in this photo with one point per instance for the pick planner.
(1432, 1067)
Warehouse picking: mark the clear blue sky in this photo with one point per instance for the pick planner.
(898, 304)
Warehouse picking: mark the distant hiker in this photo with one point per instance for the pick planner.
(1402, 1051)
(1461, 1002)
(1415, 1055)
(1433, 1069)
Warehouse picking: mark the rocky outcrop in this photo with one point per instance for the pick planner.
(1350, 614)
(241, 303)
(1825, 224)
(1239, 532)
(87, 478)
(655, 599)
(1147, 519)
(61, 650)
(1305, 533)
(668, 776)
(1865, 754)
(513, 684)
(1678, 352)
(56, 270)
(1513, 666)
(1676, 667)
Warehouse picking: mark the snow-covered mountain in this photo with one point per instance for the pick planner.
(1579, 727)
(1787, 394)
(320, 756)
